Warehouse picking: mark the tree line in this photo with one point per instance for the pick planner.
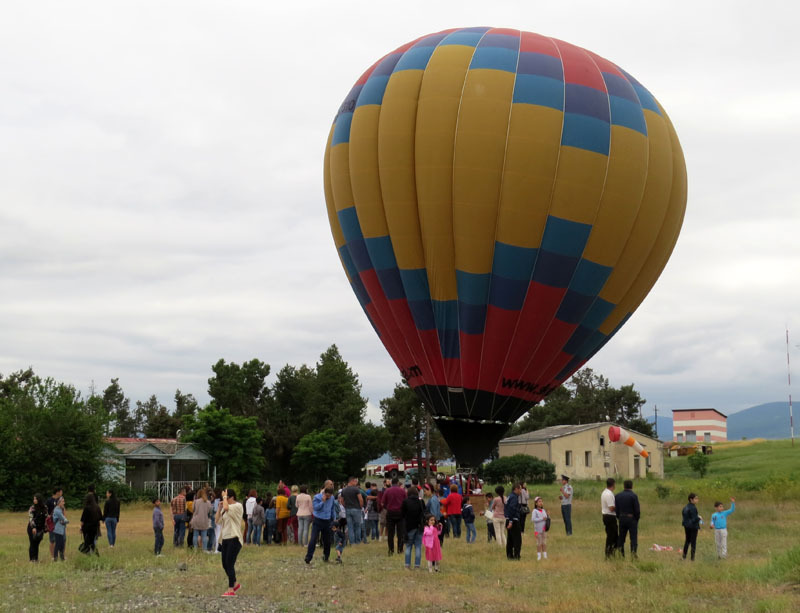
(308, 424)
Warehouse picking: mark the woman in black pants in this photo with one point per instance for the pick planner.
(90, 523)
(691, 524)
(36, 526)
(229, 516)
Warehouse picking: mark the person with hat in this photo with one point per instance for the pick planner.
(566, 503)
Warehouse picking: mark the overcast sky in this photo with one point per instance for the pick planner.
(161, 201)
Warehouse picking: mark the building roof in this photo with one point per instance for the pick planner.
(552, 432)
(702, 409)
(156, 448)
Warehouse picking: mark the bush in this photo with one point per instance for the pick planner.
(519, 467)
(662, 491)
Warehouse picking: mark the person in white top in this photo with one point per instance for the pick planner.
(229, 514)
(607, 506)
(249, 505)
(539, 519)
(566, 503)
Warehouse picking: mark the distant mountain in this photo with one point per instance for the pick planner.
(770, 420)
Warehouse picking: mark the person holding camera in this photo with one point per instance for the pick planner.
(229, 516)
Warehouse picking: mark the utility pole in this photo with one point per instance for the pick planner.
(656, 421)
(789, 376)
(427, 446)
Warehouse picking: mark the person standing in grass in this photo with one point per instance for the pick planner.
(283, 513)
(111, 517)
(719, 524)
(453, 504)
(249, 503)
(489, 525)
(37, 516)
(468, 515)
(499, 518)
(524, 509)
(158, 527)
(51, 504)
(513, 531)
(691, 524)
(201, 520)
(178, 508)
(230, 516)
(60, 522)
(433, 546)
(413, 512)
(90, 523)
(628, 512)
(324, 515)
(566, 503)
(539, 519)
(293, 523)
(338, 530)
(609, 510)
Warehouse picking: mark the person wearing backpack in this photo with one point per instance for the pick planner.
(539, 518)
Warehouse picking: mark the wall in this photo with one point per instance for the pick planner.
(606, 460)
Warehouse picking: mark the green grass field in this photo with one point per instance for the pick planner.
(762, 572)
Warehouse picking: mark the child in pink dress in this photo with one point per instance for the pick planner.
(430, 539)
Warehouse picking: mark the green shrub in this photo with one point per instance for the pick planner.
(519, 467)
(662, 491)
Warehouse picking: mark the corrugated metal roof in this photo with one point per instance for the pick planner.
(167, 446)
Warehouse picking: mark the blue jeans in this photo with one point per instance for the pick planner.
(212, 537)
(566, 513)
(354, 519)
(256, 540)
(455, 524)
(414, 539)
(159, 542)
(179, 533)
(472, 533)
(111, 530)
(248, 538)
(269, 534)
(202, 536)
(372, 529)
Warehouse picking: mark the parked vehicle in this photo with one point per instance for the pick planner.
(399, 467)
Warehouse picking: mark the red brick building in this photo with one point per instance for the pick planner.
(699, 426)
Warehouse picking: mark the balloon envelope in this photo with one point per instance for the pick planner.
(501, 203)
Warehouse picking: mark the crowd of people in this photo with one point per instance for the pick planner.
(411, 518)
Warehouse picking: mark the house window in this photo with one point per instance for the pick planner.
(691, 436)
(587, 458)
(707, 437)
(680, 437)
(568, 458)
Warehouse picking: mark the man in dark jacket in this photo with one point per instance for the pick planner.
(627, 509)
(514, 535)
(392, 501)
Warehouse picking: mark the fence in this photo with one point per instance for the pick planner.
(167, 490)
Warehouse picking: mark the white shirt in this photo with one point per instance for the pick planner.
(249, 504)
(607, 501)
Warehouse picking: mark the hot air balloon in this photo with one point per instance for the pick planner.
(501, 203)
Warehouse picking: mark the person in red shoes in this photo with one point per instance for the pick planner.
(229, 516)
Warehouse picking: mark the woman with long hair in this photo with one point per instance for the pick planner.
(37, 515)
(90, 523)
(111, 517)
